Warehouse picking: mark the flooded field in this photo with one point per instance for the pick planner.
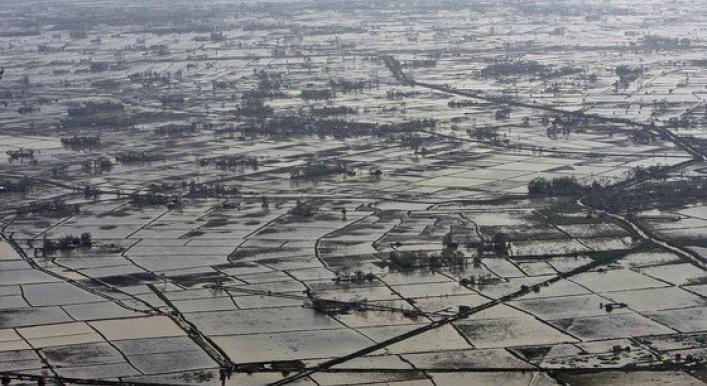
(348, 193)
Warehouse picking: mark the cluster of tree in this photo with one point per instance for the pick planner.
(268, 86)
(461, 103)
(484, 133)
(151, 77)
(411, 260)
(349, 85)
(81, 142)
(253, 107)
(210, 190)
(333, 110)
(663, 42)
(678, 122)
(224, 84)
(555, 131)
(419, 63)
(336, 307)
(27, 109)
(55, 206)
(502, 114)
(500, 244)
(319, 94)
(68, 243)
(176, 130)
(230, 161)
(315, 169)
(414, 142)
(157, 187)
(485, 279)
(628, 74)
(90, 192)
(138, 156)
(157, 50)
(643, 136)
(305, 209)
(357, 277)
(91, 108)
(530, 68)
(155, 199)
(398, 95)
(414, 125)
(559, 186)
(95, 114)
(340, 128)
(172, 100)
(650, 195)
(21, 154)
(19, 185)
(98, 164)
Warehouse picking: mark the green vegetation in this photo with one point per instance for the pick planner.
(18, 185)
(462, 103)
(649, 195)
(154, 199)
(81, 142)
(317, 94)
(484, 134)
(176, 130)
(530, 67)
(349, 85)
(414, 142)
(253, 107)
(55, 207)
(500, 242)
(21, 154)
(315, 169)
(334, 110)
(303, 209)
(355, 277)
(339, 128)
(559, 186)
(68, 243)
(410, 260)
(137, 156)
(628, 74)
(90, 108)
(665, 43)
(93, 114)
(210, 190)
(230, 161)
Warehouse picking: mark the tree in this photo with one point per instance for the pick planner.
(500, 243)
(449, 243)
(86, 240)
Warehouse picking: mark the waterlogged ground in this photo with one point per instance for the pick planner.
(248, 281)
